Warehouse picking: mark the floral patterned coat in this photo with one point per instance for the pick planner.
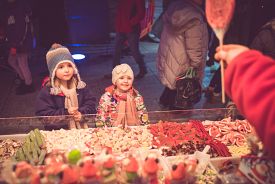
(107, 109)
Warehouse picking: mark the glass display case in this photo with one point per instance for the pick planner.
(172, 136)
(22, 125)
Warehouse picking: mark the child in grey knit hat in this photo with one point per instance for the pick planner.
(64, 93)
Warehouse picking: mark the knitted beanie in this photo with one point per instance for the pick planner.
(56, 55)
(121, 70)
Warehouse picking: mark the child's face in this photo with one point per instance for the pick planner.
(64, 71)
(124, 83)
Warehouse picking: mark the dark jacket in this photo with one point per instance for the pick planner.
(53, 105)
(18, 25)
(265, 39)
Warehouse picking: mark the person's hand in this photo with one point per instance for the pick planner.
(77, 116)
(72, 110)
(229, 52)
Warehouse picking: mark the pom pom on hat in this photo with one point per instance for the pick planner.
(120, 70)
(56, 55)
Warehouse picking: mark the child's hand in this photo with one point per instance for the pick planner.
(77, 116)
(72, 110)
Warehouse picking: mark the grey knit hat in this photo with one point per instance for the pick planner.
(56, 55)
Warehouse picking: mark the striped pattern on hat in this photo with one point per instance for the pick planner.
(56, 55)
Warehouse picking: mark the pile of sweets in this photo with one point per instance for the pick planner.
(64, 140)
(228, 131)
(91, 140)
(171, 137)
(33, 149)
(8, 148)
(184, 138)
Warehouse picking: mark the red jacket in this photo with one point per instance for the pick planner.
(250, 82)
(129, 15)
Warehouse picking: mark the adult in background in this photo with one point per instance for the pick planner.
(264, 41)
(155, 33)
(127, 25)
(19, 36)
(183, 44)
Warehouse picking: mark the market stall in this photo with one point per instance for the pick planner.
(191, 146)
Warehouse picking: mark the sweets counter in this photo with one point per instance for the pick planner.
(175, 139)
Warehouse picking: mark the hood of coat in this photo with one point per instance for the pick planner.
(182, 13)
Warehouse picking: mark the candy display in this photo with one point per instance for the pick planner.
(8, 148)
(33, 149)
(108, 169)
(165, 152)
(218, 15)
(227, 131)
(183, 172)
(130, 171)
(89, 172)
(151, 167)
(185, 138)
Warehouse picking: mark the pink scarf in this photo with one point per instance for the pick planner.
(127, 111)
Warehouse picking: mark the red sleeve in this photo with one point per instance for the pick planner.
(140, 5)
(250, 82)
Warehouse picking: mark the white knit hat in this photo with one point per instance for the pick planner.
(56, 55)
(121, 70)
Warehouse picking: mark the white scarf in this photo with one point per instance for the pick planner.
(70, 97)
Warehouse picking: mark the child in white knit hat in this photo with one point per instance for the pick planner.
(64, 92)
(121, 104)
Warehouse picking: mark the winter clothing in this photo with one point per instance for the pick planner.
(129, 15)
(121, 70)
(167, 98)
(109, 108)
(48, 104)
(56, 100)
(19, 28)
(71, 97)
(19, 62)
(250, 82)
(265, 39)
(184, 42)
(19, 38)
(56, 55)
(127, 112)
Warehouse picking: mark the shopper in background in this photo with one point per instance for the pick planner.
(121, 104)
(127, 25)
(64, 93)
(250, 83)
(19, 37)
(157, 27)
(183, 44)
(264, 41)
